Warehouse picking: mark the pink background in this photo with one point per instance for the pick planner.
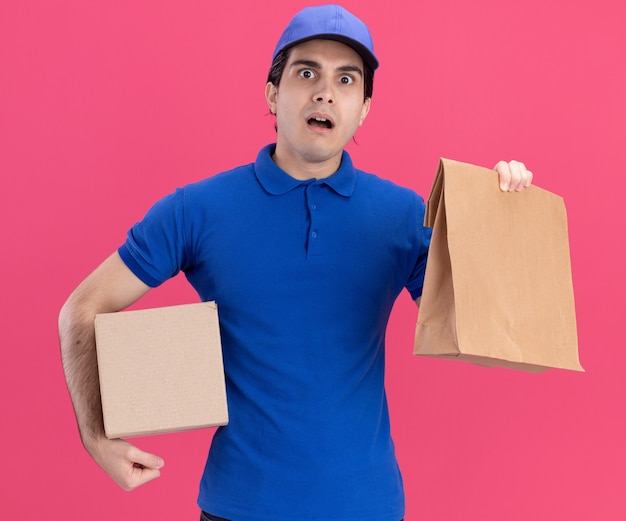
(107, 105)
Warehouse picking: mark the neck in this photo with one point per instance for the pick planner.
(304, 169)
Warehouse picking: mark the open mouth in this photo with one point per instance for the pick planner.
(320, 122)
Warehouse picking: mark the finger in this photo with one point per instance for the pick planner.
(144, 459)
(517, 176)
(140, 475)
(529, 178)
(525, 176)
(504, 173)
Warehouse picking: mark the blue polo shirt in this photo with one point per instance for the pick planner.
(305, 274)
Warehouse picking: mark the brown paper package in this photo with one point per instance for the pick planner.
(498, 285)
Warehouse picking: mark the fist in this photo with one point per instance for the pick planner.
(514, 176)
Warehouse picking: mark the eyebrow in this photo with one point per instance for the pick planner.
(316, 65)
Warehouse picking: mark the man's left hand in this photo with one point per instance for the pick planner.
(514, 176)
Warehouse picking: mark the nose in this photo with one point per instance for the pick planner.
(324, 92)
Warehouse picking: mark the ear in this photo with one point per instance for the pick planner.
(271, 93)
(365, 110)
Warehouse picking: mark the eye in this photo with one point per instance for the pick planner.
(306, 74)
(346, 79)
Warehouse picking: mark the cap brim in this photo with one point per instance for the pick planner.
(368, 58)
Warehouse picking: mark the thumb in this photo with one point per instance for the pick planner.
(145, 459)
(144, 467)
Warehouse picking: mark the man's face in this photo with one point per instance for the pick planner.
(319, 103)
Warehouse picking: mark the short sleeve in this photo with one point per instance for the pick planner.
(155, 247)
(421, 236)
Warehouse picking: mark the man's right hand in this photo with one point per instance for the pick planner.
(127, 465)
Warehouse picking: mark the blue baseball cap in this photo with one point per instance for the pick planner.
(329, 22)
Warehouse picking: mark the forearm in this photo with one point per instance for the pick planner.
(78, 352)
(111, 287)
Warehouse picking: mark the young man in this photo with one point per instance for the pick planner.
(305, 256)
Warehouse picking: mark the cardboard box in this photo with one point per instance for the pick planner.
(161, 370)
